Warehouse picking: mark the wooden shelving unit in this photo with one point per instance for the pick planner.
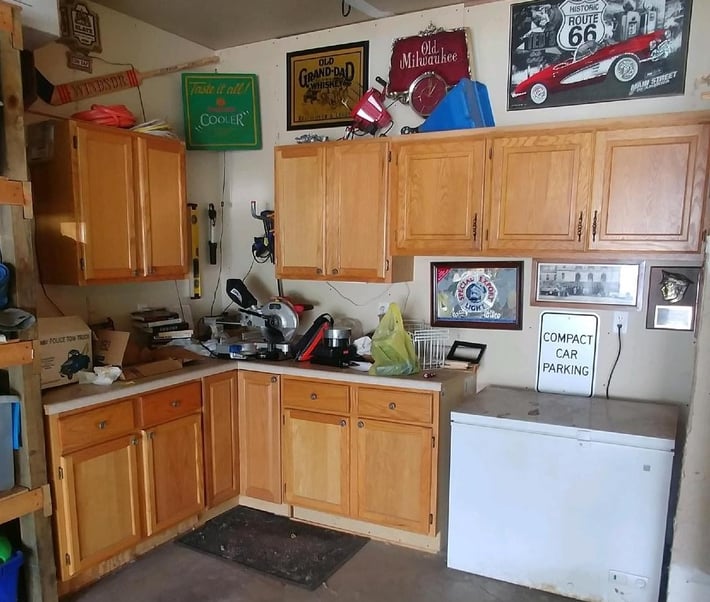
(29, 502)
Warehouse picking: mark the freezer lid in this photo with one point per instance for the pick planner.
(640, 424)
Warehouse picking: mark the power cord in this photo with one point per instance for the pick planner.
(221, 232)
(618, 355)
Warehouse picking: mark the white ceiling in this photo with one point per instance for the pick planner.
(220, 24)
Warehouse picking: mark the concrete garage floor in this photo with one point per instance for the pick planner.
(378, 572)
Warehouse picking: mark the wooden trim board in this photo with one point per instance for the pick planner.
(20, 501)
(16, 354)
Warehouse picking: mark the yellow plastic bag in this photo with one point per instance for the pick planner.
(392, 348)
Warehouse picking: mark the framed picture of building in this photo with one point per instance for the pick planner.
(586, 284)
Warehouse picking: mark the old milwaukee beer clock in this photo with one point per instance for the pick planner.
(424, 67)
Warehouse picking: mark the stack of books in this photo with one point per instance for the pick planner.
(161, 324)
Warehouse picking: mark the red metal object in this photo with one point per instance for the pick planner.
(369, 113)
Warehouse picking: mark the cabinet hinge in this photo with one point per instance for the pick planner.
(431, 519)
(486, 234)
(283, 419)
(389, 156)
(284, 488)
(75, 142)
(60, 473)
(433, 441)
(490, 153)
(67, 559)
(387, 265)
(81, 264)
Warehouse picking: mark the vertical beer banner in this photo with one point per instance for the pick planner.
(221, 111)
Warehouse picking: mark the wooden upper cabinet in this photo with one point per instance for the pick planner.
(539, 191)
(331, 213)
(110, 206)
(163, 207)
(649, 188)
(300, 211)
(356, 211)
(437, 196)
(259, 436)
(107, 203)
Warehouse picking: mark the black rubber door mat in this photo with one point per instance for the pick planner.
(299, 553)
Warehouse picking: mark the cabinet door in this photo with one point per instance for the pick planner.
(107, 201)
(394, 474)
(300, 211)
(356, 211)
(162, 207)
(539, 192)
(259, 436)
(221, 437)
(649, 187)
(316, 460)
(437, 196)
(173, 472)
(99, 503)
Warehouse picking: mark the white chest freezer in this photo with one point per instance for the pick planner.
(560, 493)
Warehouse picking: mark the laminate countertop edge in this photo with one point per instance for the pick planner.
(75, 396)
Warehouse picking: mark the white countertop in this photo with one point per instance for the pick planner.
(75, 396)
(638, 422)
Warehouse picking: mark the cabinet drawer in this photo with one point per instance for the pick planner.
(315, 395)
(97, 425)
(406, 406)
(163, 406)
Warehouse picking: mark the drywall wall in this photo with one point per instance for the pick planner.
(653, 365)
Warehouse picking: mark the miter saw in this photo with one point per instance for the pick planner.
(275, 322)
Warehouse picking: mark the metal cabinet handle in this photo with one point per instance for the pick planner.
(594, 227)
(334, 271)
(360, 424)
(102, 425)
(274, 379)
(343, 422)
(319, 271)
(151, 435)
(175, 403)
(392, 405)
(134, 441)
(314, 396)
(579, 227)
(474, 228)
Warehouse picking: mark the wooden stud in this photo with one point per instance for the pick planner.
(16, 354)
(20, 501)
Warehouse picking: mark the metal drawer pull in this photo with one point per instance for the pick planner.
(134, 441)
(314, 396)
(102, 425)
(392, 405)
(175, 403)
(360, 424)
(151, 434)
(274, 379)
(343, 422)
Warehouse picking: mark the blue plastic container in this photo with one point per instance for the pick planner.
(465, 106)
(9, 574)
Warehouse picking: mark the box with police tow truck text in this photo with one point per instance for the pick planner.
(65, 349)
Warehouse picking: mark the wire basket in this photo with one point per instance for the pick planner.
(431, 346)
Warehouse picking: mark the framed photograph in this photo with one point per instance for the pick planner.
(672, 298)
(570, 52)
(586, 285)
(322, 84)
(477, 294)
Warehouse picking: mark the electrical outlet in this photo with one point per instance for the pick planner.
(382, 309)
(621, 317)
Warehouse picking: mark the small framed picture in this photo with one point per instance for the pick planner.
(477, 294)
(672, 297)
(586, 285)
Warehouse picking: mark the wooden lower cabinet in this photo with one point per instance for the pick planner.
(173, 472)
(394, 474)
(316, 467)
(260, 436)
(221, 437)
(98, 503)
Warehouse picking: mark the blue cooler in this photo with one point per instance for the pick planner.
(465, 106)
(9, 574)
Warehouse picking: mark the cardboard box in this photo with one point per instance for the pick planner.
(119, 348)
(65, 348)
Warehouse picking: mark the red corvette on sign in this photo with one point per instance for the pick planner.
(593, 61)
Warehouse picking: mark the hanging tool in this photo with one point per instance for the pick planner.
(263, 248)
(195, 249)
(212, 243)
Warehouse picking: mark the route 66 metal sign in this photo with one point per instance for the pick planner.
(582, 22)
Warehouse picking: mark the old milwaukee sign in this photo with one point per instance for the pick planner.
(445, 53)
